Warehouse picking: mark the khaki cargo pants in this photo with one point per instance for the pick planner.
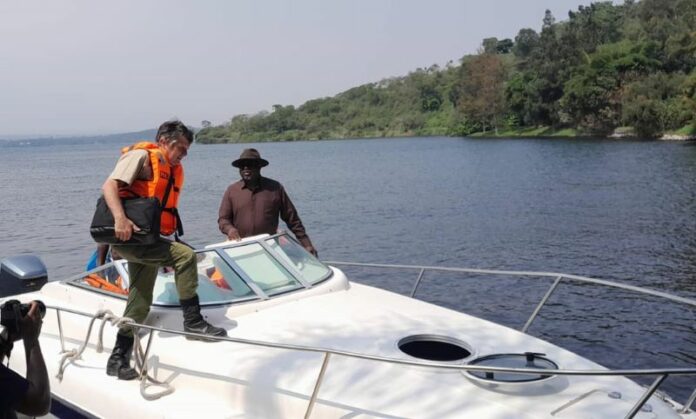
(143, 264)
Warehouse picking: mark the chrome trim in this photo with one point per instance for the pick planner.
(242, 274)
(578, 278)
(329, 271)
(119, 265)
(60, 332)
(541, 304)
(437, 365)
(644, 398)
(288, 267)
(81, 275)
(121, 268)
(689, 403)
(415, 286)
(320, 379)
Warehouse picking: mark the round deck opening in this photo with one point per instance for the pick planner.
(527, 360)
(434, 348)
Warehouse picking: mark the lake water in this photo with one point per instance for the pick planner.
(617, 210)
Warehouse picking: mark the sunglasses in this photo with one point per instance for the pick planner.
(251, 164)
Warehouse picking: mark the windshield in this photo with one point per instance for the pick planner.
(263, 269)
(308, 266)
(229, 272)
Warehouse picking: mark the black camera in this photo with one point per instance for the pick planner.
(11, 312)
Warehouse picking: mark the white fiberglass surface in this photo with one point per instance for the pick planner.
(263, 269)
(295, 255)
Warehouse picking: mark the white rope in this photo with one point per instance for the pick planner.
(139, 355)
(75, 354)
(141, 369)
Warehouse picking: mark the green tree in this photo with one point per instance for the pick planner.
(522, 98)
(482, 87)
(504, 46)
(526, 41)
(490, 45)
(655, 103)
(592, 97)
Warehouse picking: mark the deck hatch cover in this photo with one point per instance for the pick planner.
(434, 348)
(525, 360)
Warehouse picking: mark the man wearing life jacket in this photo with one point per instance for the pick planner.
(153, 170)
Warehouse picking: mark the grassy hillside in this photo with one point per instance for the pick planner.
(605, 67)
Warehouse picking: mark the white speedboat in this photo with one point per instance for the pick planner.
(304, 341)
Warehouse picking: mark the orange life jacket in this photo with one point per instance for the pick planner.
(219, 280)
(96, 281)
(162, 171)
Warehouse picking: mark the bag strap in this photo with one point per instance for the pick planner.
(170, 184)
(179, 226)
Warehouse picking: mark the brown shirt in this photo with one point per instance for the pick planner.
(256, 212)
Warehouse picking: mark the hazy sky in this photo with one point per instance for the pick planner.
(96, 67)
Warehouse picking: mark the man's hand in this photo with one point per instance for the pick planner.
(124, 228)
(30, 325)
(312, 250)
(233, 234)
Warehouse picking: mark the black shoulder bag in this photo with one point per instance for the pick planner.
(144, 212)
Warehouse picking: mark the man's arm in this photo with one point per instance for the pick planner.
(37, 399)
(122, 225)
(225, 217)
(130, 166)
(288, 213)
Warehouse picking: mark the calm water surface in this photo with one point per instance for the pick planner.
(621, 211)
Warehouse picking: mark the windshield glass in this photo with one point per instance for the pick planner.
(217, 283)
(263, 269)
(229, 272)
(296, 256)
(107, 278)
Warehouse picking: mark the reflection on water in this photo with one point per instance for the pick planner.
(618, 210)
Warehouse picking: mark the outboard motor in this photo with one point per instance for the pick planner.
(20, 274)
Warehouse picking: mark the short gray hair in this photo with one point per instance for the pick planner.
(173, 130)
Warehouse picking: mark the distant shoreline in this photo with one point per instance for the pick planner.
(686, 134)
(538, 133)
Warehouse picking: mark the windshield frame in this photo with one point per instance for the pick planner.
(219, 250)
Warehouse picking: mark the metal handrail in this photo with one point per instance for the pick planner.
(579, 278)
(437, 365)
(662, 373)
(559, 277)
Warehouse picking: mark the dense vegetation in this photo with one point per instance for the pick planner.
(608, 68)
